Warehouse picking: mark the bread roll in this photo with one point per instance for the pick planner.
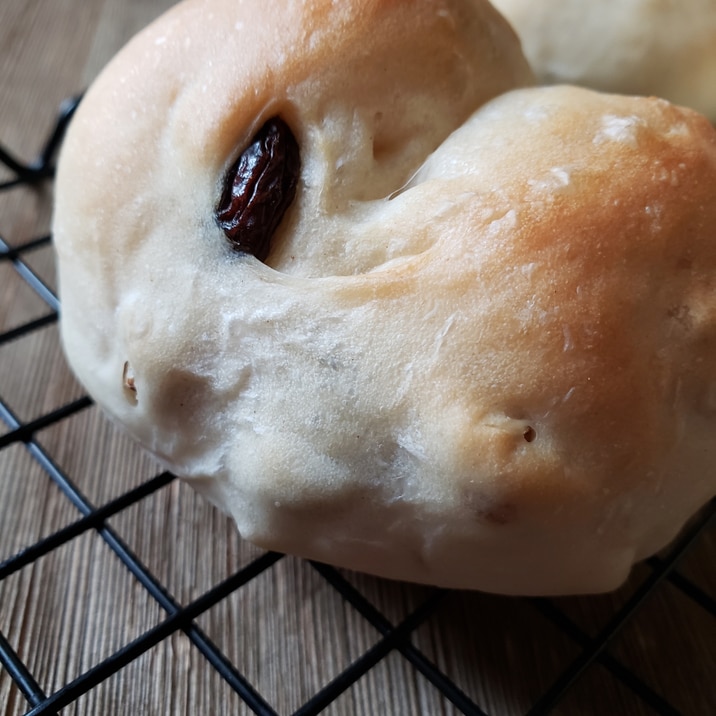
(480, 349)
(665, 48)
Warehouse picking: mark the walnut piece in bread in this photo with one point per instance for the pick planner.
(665, 48)
(481, 349)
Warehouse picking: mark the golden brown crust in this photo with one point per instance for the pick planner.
(497, 371)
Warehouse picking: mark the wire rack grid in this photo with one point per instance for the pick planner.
(448, 642)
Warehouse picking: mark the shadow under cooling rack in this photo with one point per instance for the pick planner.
(438, 651)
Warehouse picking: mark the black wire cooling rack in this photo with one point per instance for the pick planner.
(590, 649)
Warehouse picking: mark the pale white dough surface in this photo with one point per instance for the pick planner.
(482, 352)
(665, 48)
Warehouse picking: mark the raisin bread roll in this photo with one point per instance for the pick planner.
(665, 48)
(344, 270)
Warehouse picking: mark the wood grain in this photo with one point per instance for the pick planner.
(287, 631)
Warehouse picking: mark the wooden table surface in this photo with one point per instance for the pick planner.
(287, 632)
